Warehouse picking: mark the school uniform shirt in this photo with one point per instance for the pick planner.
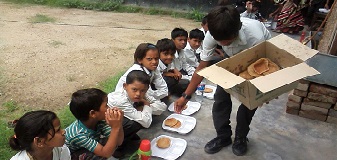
(190, 53)
(163, 68)
(59, 153)
(251, 15)
(180, 63)
(251, 33)
(79, 136)
(121, 100)
(155, 77)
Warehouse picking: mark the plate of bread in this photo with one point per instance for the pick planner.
(209, 91)
(167, 147)
(189, 108)
(179, 123)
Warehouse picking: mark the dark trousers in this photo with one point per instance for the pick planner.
(176, 86)
(221, 112)
(130, 128)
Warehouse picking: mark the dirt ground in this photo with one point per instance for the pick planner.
(42, 64)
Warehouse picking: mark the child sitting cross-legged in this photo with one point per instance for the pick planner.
(138, 106)
(98, 129)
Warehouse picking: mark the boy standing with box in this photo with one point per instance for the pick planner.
(234, 34)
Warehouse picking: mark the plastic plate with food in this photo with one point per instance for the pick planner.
(179, 123)
(167, 147)
(190, 108)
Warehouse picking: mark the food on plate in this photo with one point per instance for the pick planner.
(177, 125)
(208, 90)
(172, 122)
(261, 67)
(163, 142)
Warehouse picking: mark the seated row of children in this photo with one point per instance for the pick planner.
(105, 123)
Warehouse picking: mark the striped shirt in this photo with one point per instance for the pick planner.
(79, 136)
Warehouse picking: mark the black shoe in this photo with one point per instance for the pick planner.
(240, 146)
(216, 144)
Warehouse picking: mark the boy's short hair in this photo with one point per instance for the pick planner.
(204, 20)
(137, 75)
(197, 33)
(85, 100)
(224, 22)
(166, 44)
(141, 50)
(177, 32)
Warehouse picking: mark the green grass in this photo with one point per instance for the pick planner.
(12, 110)
(40, 18)
(116, 6)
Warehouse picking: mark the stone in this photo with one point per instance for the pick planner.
(324, 89)
(318, 110)
(290, 110)
(302, 87)
(335, 107)
(321, 97)
(295, 98)
(331, 120)
(311, 102)
(300, 93)
(293, 105)
(312, 115)
(332, 113)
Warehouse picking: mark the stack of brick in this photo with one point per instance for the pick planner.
(314, 101)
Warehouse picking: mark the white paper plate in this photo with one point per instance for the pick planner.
(210, 95)
(192, 107)
(187, 123)
(176, 149)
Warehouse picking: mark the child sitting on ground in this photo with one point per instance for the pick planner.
(146, 59)
(179, 37)
(137, 105)
(172, 76)
(90, 137)
(38, 135)
(252, 11)
(193, 48)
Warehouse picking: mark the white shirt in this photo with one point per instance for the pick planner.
(121, 99)
(251, 15)
(156, 79)
(162, 68)
(191, 59)
(180, 63)
(251, 33)
(59, 153)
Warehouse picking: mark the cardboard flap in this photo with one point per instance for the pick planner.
(293, 46)
(282, 77)
(221, 76)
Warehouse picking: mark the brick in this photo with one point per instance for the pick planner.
(331, 120)
(324, 89)
(302, 87)
(321, 97)
(300, 93)
(295, 98)
(292, 111)
(318, 110)
(332, 113)
(312, 115)
(293, 105)
(311, 102)
(302, 81)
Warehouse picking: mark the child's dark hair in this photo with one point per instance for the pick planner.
(31, 125)
(166, 44)
(224, 22)
(256, 4)
(197, 33)
(141, 50)
(204, 20)
(85, 100)
(138, 75)
(177, 32)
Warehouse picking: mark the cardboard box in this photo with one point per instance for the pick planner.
(286, 52)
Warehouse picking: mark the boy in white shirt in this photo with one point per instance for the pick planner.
(179, 37)
(137, 105)
(193, 47)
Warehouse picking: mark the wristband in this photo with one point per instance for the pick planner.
(188, 97)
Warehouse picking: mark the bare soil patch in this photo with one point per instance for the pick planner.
(43, 63)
